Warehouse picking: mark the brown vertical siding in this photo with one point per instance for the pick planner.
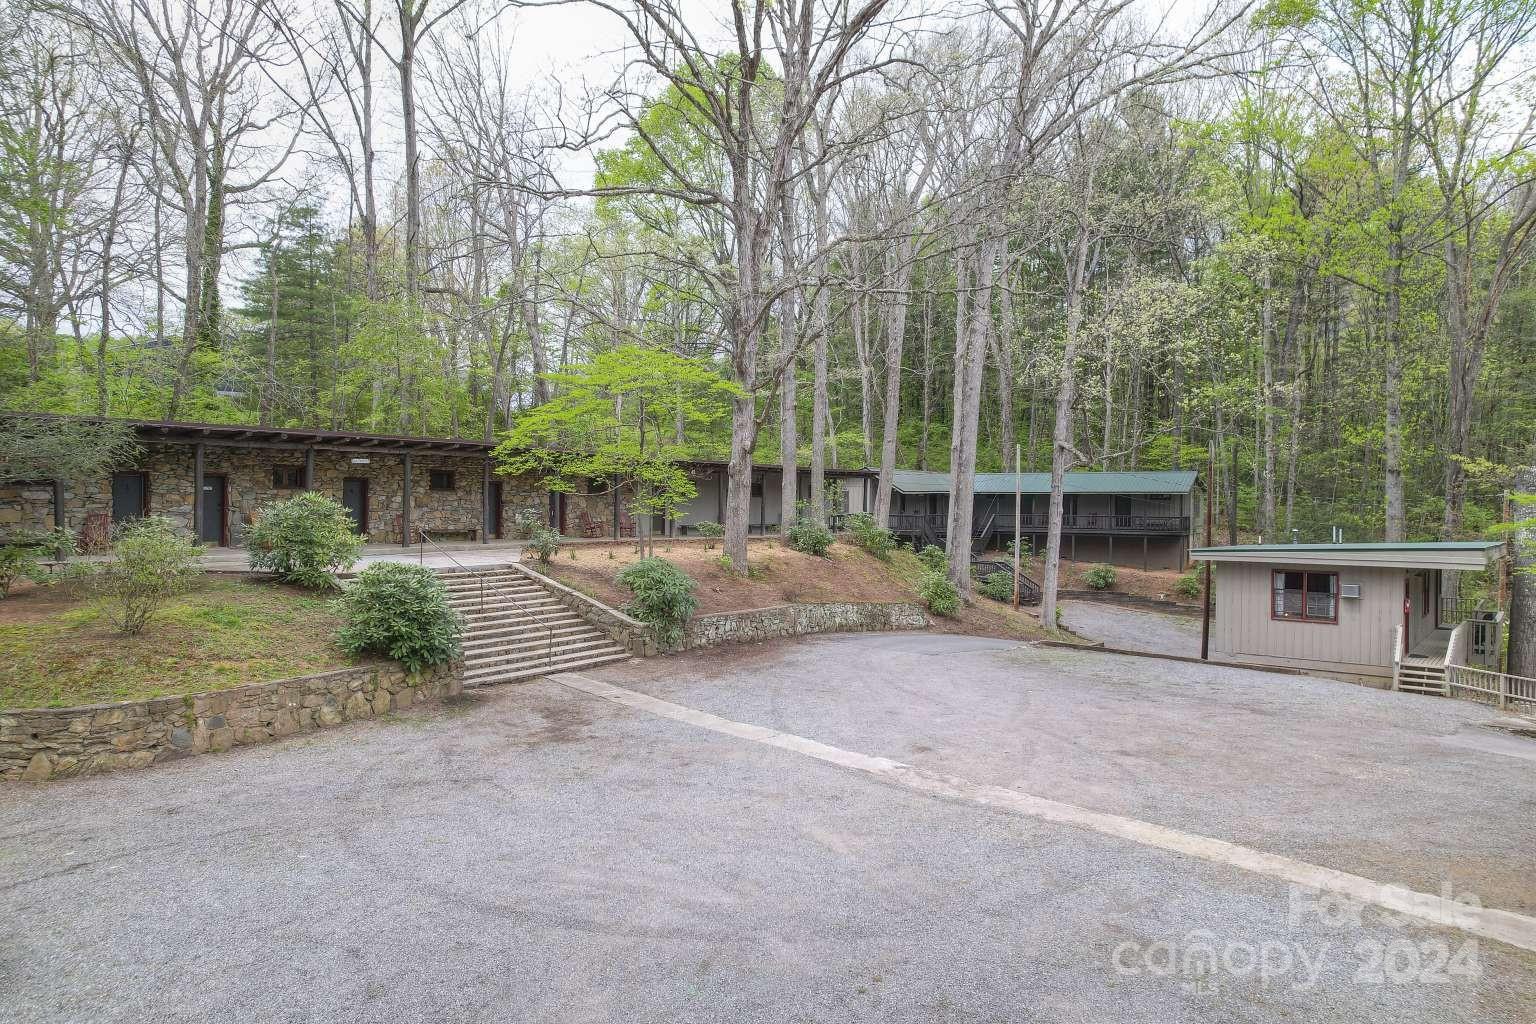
(1362, 638)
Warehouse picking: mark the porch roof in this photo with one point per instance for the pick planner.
(246, 435)
(1460, 554)
(1179, 481)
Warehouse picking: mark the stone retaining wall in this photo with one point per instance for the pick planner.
(801, 619)
(42, 743)
(630, 633)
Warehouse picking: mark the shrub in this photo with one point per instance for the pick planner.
(545, 543)
(400, 611)
(152, 562)
(725, 562)
(939, 594)
(305, 540)
(871, 536)
(998, 586)
(19, 561)
(808, 535)
(23, 554)
(933, 558)
(525, 521)
(663, 597)
(1188, 585)
(710, 530)
(1100, 577)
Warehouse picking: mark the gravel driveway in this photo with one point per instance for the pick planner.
(543, 853)
(1133, 629)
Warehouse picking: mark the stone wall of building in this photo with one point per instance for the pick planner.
(43, 743)
(249, 482)
(26, 506)
(801, 619)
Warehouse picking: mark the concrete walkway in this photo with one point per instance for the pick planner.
(497, 552)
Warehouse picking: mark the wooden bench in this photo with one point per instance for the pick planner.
(469, 533)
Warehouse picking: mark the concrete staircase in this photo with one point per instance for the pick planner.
(518, 630)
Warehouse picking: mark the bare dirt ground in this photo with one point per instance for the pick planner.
(781, 575)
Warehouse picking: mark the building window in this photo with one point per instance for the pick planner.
(1305, 596)
(597, 485)
(440, 479)
(757, 487)
(286, 478)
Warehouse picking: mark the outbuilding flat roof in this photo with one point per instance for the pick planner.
(1455, 554)
(1178, 481)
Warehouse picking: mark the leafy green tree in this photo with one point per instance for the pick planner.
(45, 447)
(298, 309)
(616, 419)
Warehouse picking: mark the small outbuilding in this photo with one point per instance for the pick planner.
(1375, 612)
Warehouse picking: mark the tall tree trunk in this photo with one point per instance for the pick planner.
(922, 449)
(898, 277)
(1061, 433)
(1522, 604)
(820, 400)
(412, 158)
(970, 362)
(1465, 362)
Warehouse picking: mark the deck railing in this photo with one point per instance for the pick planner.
(931, 524)
(1484, 684)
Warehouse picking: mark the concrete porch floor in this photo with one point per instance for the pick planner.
(466, 553)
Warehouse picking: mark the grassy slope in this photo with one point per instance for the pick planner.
(57, 649)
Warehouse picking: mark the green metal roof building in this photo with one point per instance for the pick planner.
(1137, 518)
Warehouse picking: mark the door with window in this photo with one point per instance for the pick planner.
(210, 511)
(354, 497)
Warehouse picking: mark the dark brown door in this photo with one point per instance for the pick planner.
(130, 496)
(354, 497)
(496, 509)
(210, 510)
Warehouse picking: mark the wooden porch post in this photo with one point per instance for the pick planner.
(615, 512)
(197, 491)
(405, 502)
(309, 467)
(1144, 562)
(486, 516)
(58, 504)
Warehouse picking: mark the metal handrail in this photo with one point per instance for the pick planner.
(549, 631)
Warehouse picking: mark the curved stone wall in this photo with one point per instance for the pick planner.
(42, 743)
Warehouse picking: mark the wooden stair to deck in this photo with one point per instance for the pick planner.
(1423, 674)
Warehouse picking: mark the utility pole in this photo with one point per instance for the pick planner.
(1205, 615)
(1018, 519)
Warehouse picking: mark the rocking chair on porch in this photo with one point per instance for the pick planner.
(589, 528)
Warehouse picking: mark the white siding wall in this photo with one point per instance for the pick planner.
(1360, 642)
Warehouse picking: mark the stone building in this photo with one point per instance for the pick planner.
(396, 488)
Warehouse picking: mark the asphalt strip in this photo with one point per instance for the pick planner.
(1484, 922)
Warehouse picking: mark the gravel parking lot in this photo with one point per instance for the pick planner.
(1129, 628)
(856, 828)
